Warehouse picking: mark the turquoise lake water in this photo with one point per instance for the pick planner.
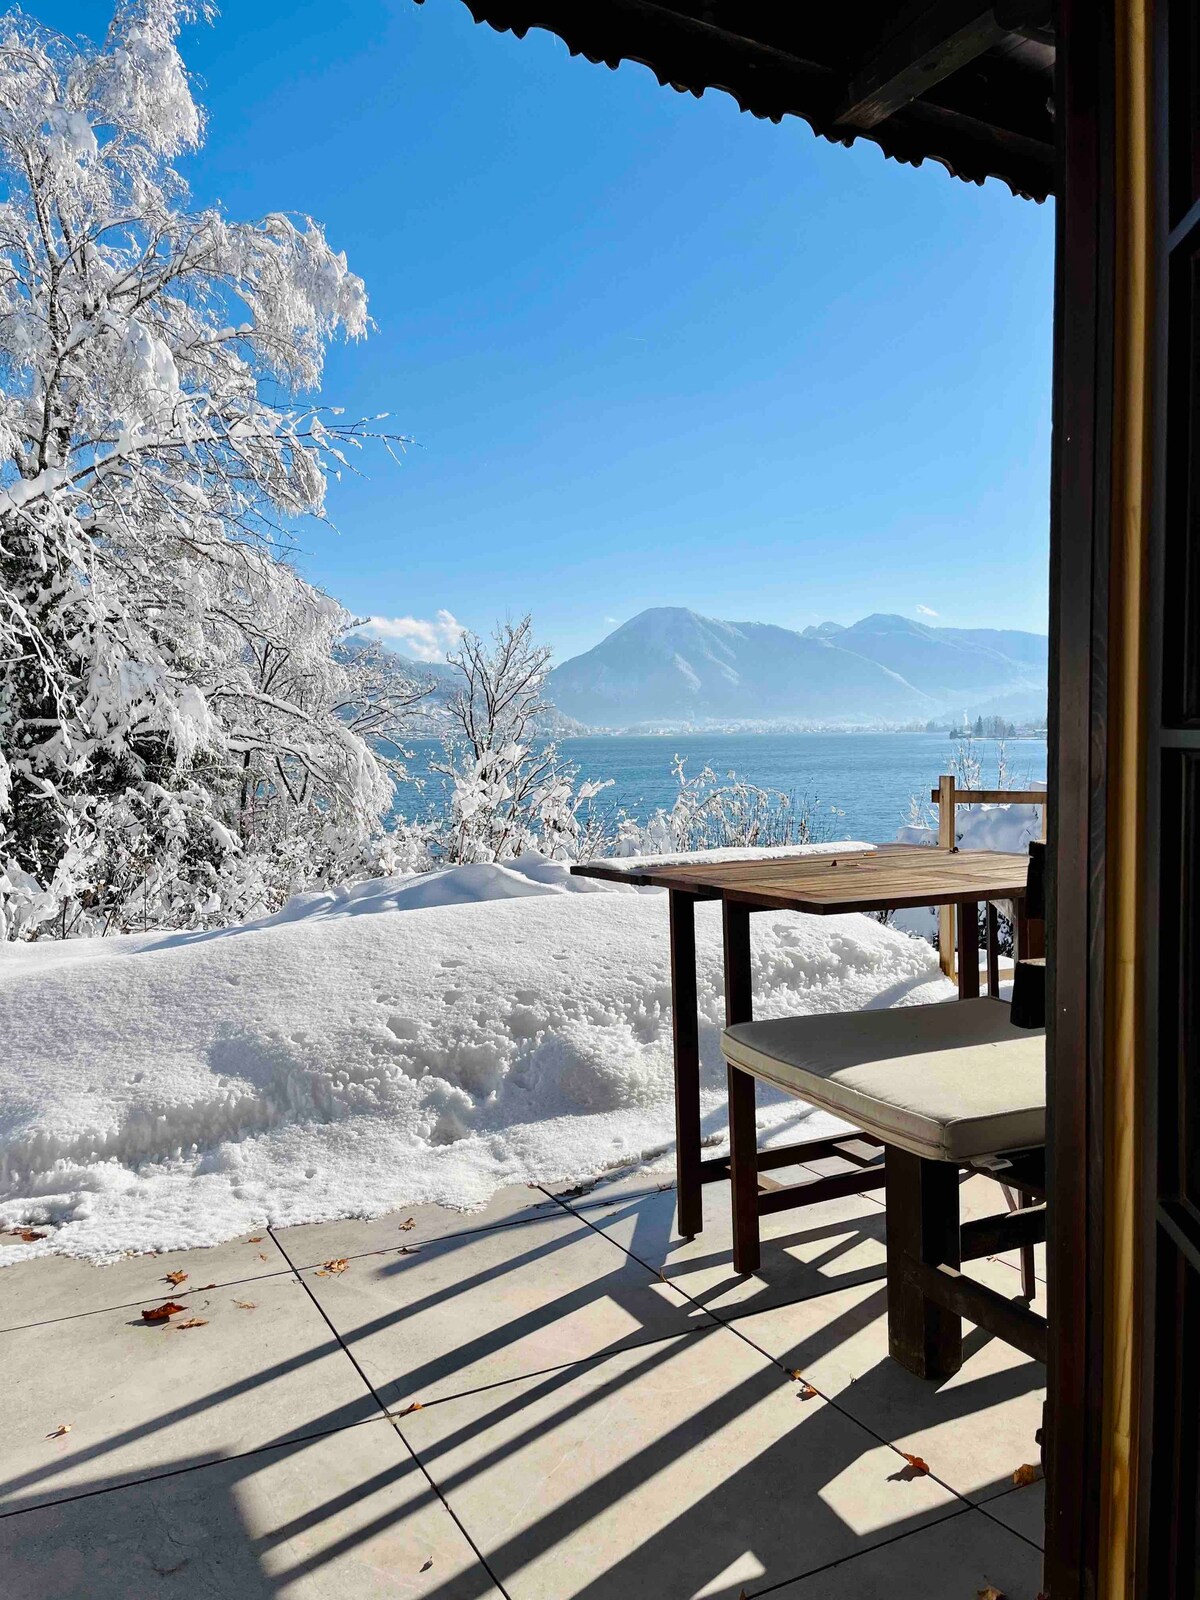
(860, 783)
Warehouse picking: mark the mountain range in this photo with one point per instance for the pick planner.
(670, 667)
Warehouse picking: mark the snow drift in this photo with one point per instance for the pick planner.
(407, 1040)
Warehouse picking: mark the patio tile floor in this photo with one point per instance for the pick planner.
(597, 1409)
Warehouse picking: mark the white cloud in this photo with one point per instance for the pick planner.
(424, 639)
(926, 611)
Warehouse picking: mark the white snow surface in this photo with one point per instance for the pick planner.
(405, 1040)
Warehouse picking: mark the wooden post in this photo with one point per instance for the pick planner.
(743, 1132)
(946, 840)
(689, 1204)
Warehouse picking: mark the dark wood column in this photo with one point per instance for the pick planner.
(1080, 527)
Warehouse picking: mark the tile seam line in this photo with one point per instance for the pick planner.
(277, 1272)
(982, 1505)
(397, 1431)
(130, 1305)
(561, 1366)
(860, 1555)
(829, 1400)
(195, 1466)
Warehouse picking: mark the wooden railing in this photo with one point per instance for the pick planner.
(948, 797)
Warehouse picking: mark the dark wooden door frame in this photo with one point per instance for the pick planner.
(1080, 536)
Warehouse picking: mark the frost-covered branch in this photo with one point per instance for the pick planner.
(176, 720)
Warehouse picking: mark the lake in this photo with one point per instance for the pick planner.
(860, 783)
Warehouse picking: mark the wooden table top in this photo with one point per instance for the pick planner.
(894, 876)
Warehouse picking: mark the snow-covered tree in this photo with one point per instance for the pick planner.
(170, 705)
(512, 790)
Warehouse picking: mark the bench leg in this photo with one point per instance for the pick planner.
(1015, 1200)
(922, 1227)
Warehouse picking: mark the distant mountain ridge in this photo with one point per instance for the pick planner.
(671, 666)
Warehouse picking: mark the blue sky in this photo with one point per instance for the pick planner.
(651, 351)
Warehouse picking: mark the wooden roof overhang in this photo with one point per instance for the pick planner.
(954, 81)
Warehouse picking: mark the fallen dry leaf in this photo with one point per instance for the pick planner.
(262, 1257)
(192, 1322)
(61, 1431)
(255, 1238)
(921, 1468)
(1030, 1472)
(175, 1278)
(408, 1410)
(26, 1235)
(246, 1305)
(330, 1269)
(407, 1250)
(806, 1391)
(162, 1313)
(405, 1226)
(203, 1286)
(427, 1565)
(990, 1593)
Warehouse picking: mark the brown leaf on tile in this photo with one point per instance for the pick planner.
(408, 1411)
(162, 1313)
(330, 1269)
(405, 1226)
(246, 1305)
(192, 1322)
(255, 1238)
(175, 1278)
(806, 1391)
(61, 1431)
(913, 1467)
(427, 1565)
(1030, 1472)
(201, 1287)
(407, 1250)
(262, 1257)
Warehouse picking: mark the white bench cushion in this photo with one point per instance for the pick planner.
(951, 1082)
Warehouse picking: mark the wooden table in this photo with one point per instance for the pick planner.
(832, 883)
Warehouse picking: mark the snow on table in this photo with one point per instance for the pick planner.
(408, 1040)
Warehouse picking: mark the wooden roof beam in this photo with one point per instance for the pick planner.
(929, 42)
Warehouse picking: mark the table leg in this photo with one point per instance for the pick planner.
(743, 1132)
(968, 951)
(685, 1033)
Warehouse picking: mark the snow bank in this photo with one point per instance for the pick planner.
(406, 1040)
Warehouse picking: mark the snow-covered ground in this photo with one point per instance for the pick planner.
(410, 1039)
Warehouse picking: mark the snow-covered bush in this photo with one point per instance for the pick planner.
(176, 736)
(512, 792)
(708, 814)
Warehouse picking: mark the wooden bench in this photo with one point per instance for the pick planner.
(944, 1088)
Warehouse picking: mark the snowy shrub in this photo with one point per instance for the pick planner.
(178, 738)
(709, 814)
(511, 792)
